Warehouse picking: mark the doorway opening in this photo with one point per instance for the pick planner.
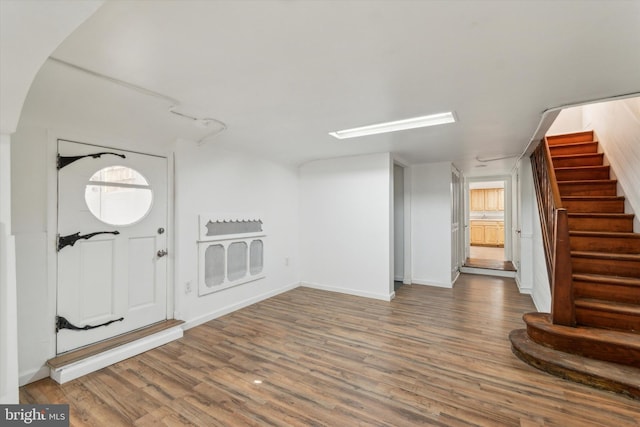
(487, 218)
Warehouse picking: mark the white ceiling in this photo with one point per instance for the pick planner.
(282, 74)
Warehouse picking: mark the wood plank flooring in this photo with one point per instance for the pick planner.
(432, 356)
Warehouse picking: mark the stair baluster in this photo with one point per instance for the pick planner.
(555, 236)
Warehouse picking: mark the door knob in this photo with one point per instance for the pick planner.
(162, 253)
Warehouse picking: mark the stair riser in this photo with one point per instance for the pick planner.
(564, 150)
(581, 206)
(587, 189)
(582, 174)
(584, 347)
(619, 245)
(622, 225)
(570, 138)
(606, 291)
(607, 320)
(569, 162)
(605, 266)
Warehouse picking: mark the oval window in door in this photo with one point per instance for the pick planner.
(118, 195)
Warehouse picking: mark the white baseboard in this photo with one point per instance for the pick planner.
(487, 272)
(348, 291)
(188, 324)
(521, 288)
(432, 283)
(109, 357)
(33, 375)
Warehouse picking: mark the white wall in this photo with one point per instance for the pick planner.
(8, 306)
(617, 126)
(209, 180)
(431, 224)
(532, 277)
(569, 120)
(206, 180)
(26, 40)
(346, 225)
(36, 303)
(398, 223)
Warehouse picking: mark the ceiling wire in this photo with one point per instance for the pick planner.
(204, 121)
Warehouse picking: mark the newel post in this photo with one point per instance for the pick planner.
(562, 307)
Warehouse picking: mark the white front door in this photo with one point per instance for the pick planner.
(112, 263)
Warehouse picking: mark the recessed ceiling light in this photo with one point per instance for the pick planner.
(416, 122)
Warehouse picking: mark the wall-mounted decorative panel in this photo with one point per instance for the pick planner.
(230, 252)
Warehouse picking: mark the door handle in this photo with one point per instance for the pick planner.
(71, 239)
(162, 253)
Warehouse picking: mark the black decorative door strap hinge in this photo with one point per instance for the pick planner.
(71, 239)
(62, 323)
(66, 160)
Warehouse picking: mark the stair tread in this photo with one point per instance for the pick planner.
(578, 155)
(609, 234)
(607, 255)
(599, 278)
(593, 198)
(596, 373)
(588, 181)
(569, 144)
(570, 168)
(543, 321)
(603, 215)
(582, 134)
(610, 306)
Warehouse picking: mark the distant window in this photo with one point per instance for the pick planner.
(118, 195)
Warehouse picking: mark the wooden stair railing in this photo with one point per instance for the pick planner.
(554, 222)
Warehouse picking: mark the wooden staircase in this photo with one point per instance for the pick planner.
(599, 315)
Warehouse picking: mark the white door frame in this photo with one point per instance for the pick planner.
(508, 240)
(52, 221)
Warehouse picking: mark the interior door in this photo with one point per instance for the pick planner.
(112, 258)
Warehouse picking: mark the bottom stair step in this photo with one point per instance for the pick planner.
(595, 373)
(608, 314)
(601, 344)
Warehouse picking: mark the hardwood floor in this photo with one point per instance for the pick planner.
(432, 356)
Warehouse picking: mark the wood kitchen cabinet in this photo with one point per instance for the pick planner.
(487, 199)
(487, 233)
(477, 200)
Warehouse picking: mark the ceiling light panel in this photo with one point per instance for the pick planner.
(413, 123)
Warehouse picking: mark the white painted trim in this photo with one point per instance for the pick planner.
(453, 281)
(431, 283)
(349, 291)
(52, 229)
(487, 272)
(540, 301)
(521, 289)
(107, 358)
(34, 375)
(408, 247)
(233, 307)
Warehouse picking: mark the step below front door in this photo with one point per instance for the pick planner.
(112, 258)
